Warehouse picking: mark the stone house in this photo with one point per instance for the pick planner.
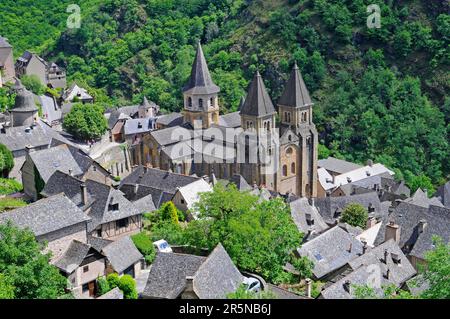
(39, 166)
(7, 72)
(76, 94)
(185, 276)
(186, 196)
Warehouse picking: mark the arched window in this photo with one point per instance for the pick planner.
(285, 116)
(211, 101)
(289, 117)
(290, 138)
(200, 103)
(190, 102)
(293, 168)
(179, 168)
(289, 151)
(284, 170)
(265, 125)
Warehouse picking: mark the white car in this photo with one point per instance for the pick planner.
(252, 284)
(162, 246)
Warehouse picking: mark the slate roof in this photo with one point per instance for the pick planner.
(102, 196)
(257, 102)
(171, 135)
(98, 243)
(136, 126)
(122, 253)
(362, 270)
(217, 276)
(17, 138)
(76, 91)
(46, 215)
(420, 198)
(283, 293)
(116, 114)
(408, 216)
(167, 278)
(300, 209)
(191, 192)
(443, 194)
(337, 165)
(295, 93)
(328, 206)
(24, 101)
(50, 109)
(200, 81)
(60, 182)
(115, 293)
(72, 257)
(240, 183)
(145, 204)
(230, 120)
(328, 258)
(171, 119)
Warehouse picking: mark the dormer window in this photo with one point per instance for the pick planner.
(112, 207)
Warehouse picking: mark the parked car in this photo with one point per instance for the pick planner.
(162, 246)
(252, 284)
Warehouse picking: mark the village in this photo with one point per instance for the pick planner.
(95, 202)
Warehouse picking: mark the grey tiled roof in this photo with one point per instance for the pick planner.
(200, 81)
(230, 120)
(46, 215)
(408, 216)
(24, 101)
(171, 135)
(240, 182)
(98, 243)
(73, 256)
(61, 182)
(145, 204)
(283, 293)
(257, 102)
(328, 206)
(167, 278)
(300, 209)
(328, 257)
(443, 194)
(420, 198)
(135, 126)
(130, 111)
(295, 92)
(4, 43)
(122, 253)
(17, 138)
(50, 109)
(217, 276)
(337, 165)
(115, 293)
(169, 120)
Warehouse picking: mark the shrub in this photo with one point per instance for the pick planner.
(113, 280)
(6, 160)
(128, 286)
(9, 186)
(355, 215)
(144, 244)
(103, 286)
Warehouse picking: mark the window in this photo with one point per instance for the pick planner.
(200, 103)
(211, 101)
(112, 207)
(293, 168)
(85, 288)
(182, 201)
(122, 223)
(189, 102)
(284, 170)
(99, 233)
(290, 138)
(289, 151)
(85, 268)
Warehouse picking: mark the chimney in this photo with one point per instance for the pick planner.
(421, 225)
(189, 292)
(145, 169)
(136, 187)
(364, 248)
(308, 287)
(393, 231)
(70, 172)
(370, 208)
(84, 196)
(313, 204)
(346, 286)
(387, 273)
(350, 247)
(385, 256)
(396, 258)
(369, 163)
(371, 221)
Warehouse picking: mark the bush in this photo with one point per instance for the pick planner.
(355, 215)
(103, 286)
(128, 286)
(113, 280)
(145, 246)
(169, 231)
(6, 160)
(9, 186)
(169, 212)
(33, 84)
(85, 121)
(8, 203)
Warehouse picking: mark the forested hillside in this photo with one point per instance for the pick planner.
(379, 93)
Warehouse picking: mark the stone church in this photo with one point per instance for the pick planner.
(269, 148)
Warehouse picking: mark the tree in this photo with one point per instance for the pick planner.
(25, 267)
(258, 236)
(33, 84)
(304, 266)
(355, 215)
(103, 286)
(423, 182)
(86, 121)
(169, 212)
(128, 286)
(437, 270)
(6, 160)
(6, 288)
(113, 280)
(145, 246)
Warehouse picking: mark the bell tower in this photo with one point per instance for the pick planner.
(201, 103)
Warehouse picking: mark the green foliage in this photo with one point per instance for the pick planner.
(323, 151)
(423, 182)
(304, 266)
(86, 121)
(242, 293)
(113, 280)
(128, 286)
(6, 160)
(103, 286)
(145, 246)
(355, 215)
(258, 236)
(9, 186)
(172, 233)
(33, 84)
(8, 203)
(6, 99)
(437, 270)
(169, 212)
(6, 288)
(25, 267)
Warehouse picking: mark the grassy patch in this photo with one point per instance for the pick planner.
(8, 203)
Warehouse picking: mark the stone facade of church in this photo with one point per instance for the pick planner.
(249, 142)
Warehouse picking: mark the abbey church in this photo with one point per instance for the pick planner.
(279, 148)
